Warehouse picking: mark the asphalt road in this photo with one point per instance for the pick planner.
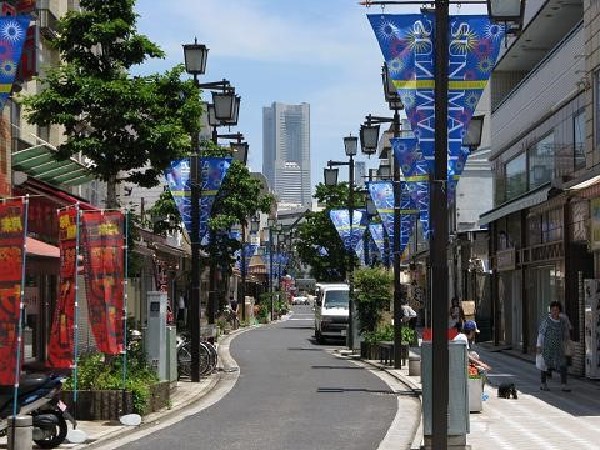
(291, 394)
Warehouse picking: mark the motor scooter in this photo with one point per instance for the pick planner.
(38, 397)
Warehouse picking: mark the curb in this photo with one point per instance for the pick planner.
(418, 424)
(412, 386)
(151, 419)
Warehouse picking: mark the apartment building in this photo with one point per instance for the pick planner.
(541, 151)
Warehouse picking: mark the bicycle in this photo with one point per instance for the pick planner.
(208, 357)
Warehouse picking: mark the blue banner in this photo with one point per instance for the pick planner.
(350, 235)
(249, 251)
(13, 31)
(407, 44)
(376, 230)
(213, 171)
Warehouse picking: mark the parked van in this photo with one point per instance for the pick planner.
(332, 310)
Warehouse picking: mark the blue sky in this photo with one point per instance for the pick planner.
(322, 52)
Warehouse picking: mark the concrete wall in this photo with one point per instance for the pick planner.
(540, 93)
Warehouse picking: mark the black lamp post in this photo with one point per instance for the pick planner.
(506, 11)
(350, 148)
(271, 225)
(195, 56)
(195, 64)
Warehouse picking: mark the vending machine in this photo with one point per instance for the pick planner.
(592, 329)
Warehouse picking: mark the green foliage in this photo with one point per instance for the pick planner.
(408, 335)
(382, 333)
(372, 292)
(164, 208)
(318, 231)
(95, 372)
(122, 123)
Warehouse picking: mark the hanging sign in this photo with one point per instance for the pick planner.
(102, 236)
(11, 259)
(13, 33)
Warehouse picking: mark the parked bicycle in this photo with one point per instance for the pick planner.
(208, 356)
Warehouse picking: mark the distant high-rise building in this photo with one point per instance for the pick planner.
(286, 151)
(360, 174)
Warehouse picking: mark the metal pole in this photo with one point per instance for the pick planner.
(438, 210)
(243, 272)
(25, 214)
(397, 230)
(351, 261)
(194, 319)
(271, 293)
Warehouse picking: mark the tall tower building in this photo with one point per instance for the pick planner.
(286, 152)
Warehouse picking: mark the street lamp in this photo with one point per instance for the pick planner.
(225, 104)
(195, 58)
(369, 138)
(195, 63)
(331, 176)
(506, 10)
(385, 172)
(472, 138)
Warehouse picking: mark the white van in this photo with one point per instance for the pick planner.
(332, 310)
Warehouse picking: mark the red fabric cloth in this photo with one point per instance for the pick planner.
(427, 334)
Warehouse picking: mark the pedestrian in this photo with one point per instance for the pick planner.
(553, 336)
(233, 317)
(457, 314)
(467, 335)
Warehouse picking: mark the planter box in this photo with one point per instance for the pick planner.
(475, 391)
(369, 350)
(109, 405)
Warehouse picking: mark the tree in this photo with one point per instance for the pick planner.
(318, 232)
(373, 290)
(123, 124)
(161, 213)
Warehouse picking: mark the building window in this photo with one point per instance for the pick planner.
(579, 140)
(541, 161)
(516, 177)
(597, 107)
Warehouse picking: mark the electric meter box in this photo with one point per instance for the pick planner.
(156, 332)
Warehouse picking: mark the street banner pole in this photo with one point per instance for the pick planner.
(24, 216)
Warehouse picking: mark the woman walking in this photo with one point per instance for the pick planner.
(553, 335)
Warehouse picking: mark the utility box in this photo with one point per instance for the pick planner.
(156, 332)
(171, 353)
(458, 400)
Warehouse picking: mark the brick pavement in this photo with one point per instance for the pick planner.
(537, 419)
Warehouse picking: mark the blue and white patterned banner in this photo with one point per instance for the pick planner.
(382, 194)
(213, 170)
(350, 235)
(407, 44)
(13, 31)
(376, 230)
(249, 252)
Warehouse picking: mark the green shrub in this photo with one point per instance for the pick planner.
(97, 372)
(372, 293)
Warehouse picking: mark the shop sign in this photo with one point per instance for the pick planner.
(506, 260)
(595, 223)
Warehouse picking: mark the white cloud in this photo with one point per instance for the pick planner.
(241, 29)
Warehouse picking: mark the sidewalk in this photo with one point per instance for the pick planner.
(538, 419)
(186, 394)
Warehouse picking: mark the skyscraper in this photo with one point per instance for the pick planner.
(286, 152)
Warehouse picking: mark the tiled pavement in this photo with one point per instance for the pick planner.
(537, 419)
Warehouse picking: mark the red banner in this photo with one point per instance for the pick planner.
(11, 258)
(102, 234)
(60, 348)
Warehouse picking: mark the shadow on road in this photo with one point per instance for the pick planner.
(338, 367)
(338, 390)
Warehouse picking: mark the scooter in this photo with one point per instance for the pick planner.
(38, 397)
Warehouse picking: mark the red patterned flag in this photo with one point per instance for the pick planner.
(11, 258)
(102, 234)
(60, 349)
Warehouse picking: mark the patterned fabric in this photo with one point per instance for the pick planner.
(553, 349)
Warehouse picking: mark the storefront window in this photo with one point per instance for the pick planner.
(554, 225)
(579, 140)
(516, 177)
(541, 162)
(499, 183)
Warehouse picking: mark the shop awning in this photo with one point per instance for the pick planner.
(42, 162)
(39, 248)
(526, 201)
